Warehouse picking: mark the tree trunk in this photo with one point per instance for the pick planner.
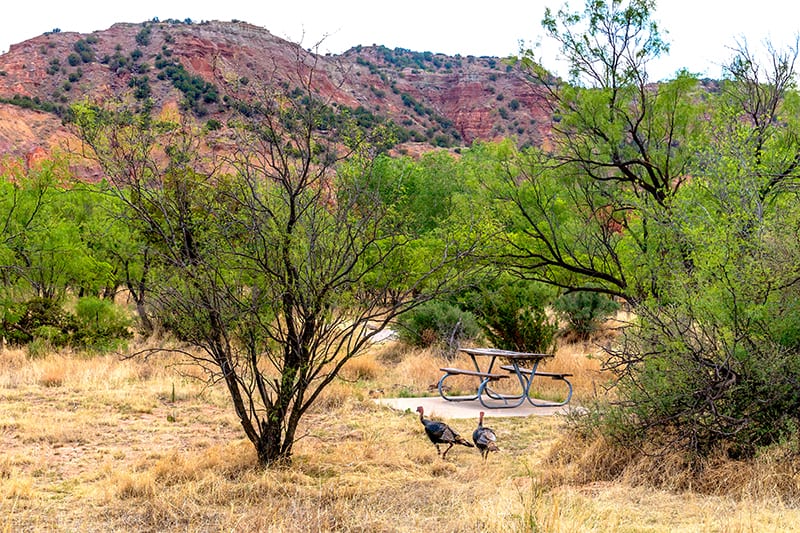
(269, 448)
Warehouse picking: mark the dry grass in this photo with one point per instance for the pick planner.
(102, 444)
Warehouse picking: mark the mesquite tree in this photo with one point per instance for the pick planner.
(714, 362)
(275, 259)
(589, 207)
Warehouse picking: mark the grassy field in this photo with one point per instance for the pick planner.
(105, 444)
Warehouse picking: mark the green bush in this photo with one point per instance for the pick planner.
(584, 311)
(438, 323)
(39, 347)
(102, 325)
(97, 324)
(512, 315)
(706, 387)
(40, 318)
(143, 37)
(53, 335)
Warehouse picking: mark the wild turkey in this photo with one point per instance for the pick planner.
(484, 438)
(441, 433)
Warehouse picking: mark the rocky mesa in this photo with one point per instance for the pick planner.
(434, 99)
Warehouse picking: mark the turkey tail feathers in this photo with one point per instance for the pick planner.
(465, 442)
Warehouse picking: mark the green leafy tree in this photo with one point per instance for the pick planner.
(117, 244)
(588, 211)
(715, 364)
(433, 198)
(19, 209)
(684, 203)
(43, 254)
(55, 258)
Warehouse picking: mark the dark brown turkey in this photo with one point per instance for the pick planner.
(484, 438)
(441, 433)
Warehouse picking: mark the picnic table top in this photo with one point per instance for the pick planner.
(496, 352)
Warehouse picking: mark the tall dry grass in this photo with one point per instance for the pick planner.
(104, 444)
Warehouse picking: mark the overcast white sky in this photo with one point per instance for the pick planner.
(700, 31)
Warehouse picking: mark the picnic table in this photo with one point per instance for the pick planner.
(492, 399)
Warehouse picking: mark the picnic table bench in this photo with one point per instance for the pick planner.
(562, 376)
(486, 378)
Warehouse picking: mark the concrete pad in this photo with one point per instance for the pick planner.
(438, 407)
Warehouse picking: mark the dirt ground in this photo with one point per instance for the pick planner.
(67, 433)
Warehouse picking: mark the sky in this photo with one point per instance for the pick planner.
(700, 32)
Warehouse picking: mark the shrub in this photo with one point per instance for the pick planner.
(102, 325)
(512, 315)
(84, 51)
(693, 382)
(116, 62)
(143, 37)
(194, 88)
(38, 318)
(438, 323)
(141, 87)
(54, 67)
(52, 335)
(584, 311)
(42, 324)
(39, 347)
